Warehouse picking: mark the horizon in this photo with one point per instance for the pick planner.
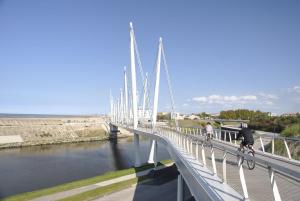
(221, 56)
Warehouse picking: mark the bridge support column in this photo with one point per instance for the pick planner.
(180, 184)
(153, 152)
(113, 131)
(137, 150)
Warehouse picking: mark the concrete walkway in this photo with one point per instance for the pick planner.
(68, 193)
(166, 192)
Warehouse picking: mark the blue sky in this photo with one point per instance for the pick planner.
(63, 56)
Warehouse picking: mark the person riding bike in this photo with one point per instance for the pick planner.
(209, 131)
(246, 134)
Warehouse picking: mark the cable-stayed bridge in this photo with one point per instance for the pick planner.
(211, 171)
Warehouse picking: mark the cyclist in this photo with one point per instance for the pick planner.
(246, 134)
(209, 131)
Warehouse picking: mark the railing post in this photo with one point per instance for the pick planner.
(213, 161)
(203, 155)
(242, 178)
(229, 137)
(287, 149)
(262, 144)
(191, 146)
(225, 138)
(234, 137)
(220, 134)
(188, 145)
(274, 184)
(224, 167)
(197, 150)
(273, 146)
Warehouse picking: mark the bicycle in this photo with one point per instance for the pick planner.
(208, 138)
(248, 149)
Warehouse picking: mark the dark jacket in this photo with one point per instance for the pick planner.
(247, 134)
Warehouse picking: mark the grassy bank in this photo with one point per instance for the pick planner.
(81, 183)
(101, 191)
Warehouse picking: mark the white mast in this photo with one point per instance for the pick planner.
(133, 78)
(156, 92)
(111, 105)
(145, 95)
(126, 97)
(153, 151)
(118, 110)
(134, 99)
(121, 106)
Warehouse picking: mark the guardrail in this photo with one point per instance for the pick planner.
(187, 141)
(230, 136)
(190, 139)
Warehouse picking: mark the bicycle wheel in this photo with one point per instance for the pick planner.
(251, 162)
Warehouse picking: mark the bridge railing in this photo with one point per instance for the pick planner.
(193, 144)
(267, 142)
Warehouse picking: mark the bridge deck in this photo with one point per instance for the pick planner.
(206, 177)
(257, 180)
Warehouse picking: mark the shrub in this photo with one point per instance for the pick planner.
(292, 130)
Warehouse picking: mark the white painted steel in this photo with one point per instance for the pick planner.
(287, 149)
(262, 144)
(274, 185)
(134, 98)
(224, 167)
(126, 96)
(242, 179)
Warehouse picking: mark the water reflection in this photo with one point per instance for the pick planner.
(117, 158)
(32, 168)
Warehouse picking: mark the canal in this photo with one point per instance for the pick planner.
(31, 168)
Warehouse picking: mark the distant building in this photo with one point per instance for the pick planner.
(194, 117)
(215, 115)
(271, 114)
(177, 116)
(292, 114)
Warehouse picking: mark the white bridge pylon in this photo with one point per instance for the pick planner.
(195, 159)
(126, 109)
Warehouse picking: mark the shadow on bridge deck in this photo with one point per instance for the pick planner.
(160, 185)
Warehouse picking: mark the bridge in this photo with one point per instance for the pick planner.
(211, 171)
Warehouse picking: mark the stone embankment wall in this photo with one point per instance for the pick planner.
(34, 131)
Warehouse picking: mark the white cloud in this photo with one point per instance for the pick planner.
(200, 99)
(268, 96)
(223, 100)
(295, 89)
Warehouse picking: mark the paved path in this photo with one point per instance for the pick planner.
(144, 192)
(64, 194)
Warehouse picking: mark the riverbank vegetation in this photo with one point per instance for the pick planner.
(105, 190)
(288, 126)
(85, 182)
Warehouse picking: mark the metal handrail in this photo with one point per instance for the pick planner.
(188, 138)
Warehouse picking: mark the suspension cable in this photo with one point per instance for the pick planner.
(169, 86)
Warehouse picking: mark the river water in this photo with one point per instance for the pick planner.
(31, 168)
